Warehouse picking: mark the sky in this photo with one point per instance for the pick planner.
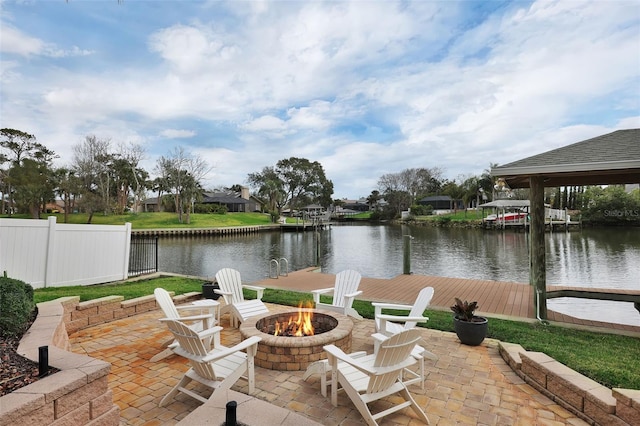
(365, 88)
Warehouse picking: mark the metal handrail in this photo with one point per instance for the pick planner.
(273, 263)
(283, 262)
(278, 266)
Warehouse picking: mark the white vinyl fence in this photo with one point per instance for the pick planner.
(44, 253)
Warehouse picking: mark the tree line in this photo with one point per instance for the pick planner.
(107, 178)
(102, 177)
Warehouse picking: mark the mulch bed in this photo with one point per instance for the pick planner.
(15, 370)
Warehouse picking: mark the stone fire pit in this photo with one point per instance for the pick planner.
(296, 353)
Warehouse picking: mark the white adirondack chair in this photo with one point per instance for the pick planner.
(344, 292)
(388, 325)
(198, 322)
(231, 286)
(370, 378)
(218, 368)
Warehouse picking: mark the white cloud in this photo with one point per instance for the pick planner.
(366, 88)
(14, 41)
(177, 133)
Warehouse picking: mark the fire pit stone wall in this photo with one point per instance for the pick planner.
(296, 353)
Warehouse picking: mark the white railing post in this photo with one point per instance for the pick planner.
(49, 262)
(127, 250)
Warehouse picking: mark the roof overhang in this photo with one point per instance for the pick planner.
(521, 178)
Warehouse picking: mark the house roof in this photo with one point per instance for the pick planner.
(613, 158)
(437, 198)
(505, 204)
(223, 198)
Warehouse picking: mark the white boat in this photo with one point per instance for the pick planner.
(511, 217)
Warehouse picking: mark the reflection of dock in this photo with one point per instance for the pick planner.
(550, 225)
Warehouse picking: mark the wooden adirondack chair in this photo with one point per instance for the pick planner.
(218, 368)
(388, 325)
(231, 286)
(370, 378)
(344, 292)
(198, 322)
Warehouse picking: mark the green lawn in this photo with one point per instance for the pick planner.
(609, 359)
(459, 216)
(165, 220)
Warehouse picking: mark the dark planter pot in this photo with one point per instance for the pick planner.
(207, 290)
(471, 333)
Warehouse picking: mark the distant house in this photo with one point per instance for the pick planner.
(442, 202)
(234, 201)
(359, 205)
(313, 209)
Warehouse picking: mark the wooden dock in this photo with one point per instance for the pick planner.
(495, 298)
(304, 226)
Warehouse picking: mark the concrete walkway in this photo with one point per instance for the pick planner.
(465, 386)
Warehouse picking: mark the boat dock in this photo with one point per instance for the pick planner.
(500, 299)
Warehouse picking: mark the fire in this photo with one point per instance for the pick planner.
(299, 325)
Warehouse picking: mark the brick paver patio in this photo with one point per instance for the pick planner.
(465, 386)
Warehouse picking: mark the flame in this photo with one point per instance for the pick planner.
(297, 325)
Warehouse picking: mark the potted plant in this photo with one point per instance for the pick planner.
(208, 290)
(470, 328)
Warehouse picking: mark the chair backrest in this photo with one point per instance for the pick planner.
(347, 282)
(166, 303)
(419, 306)
(393, 352)
(229, 280)
(191, 347)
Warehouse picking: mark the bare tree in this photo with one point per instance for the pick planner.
(129, 177)
(92, 165)
(183, 172)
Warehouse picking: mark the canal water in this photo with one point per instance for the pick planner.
(604, 258)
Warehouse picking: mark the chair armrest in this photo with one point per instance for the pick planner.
(195, 317)
(257, 289)
(353, 295)
(396, 306)
(224, 352)
(348, 298)
(227, 295)
(400, 318)
(210, 331)
(338, 353)
(317, 293)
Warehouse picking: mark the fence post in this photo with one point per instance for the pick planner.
(127, 250)
(49, 263)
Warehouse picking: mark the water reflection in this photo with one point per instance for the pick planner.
(608, 258)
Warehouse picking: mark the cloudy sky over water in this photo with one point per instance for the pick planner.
(364, 87)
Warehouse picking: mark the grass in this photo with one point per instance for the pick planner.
(165, 220)
(459, 216)
(609, 359)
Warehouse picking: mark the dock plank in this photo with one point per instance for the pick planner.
(509, 299)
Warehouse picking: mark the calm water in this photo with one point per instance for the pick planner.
(607, 258)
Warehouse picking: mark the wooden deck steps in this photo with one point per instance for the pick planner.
(495, 298)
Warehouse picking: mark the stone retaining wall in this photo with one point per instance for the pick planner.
(594, 403)
(78, 394)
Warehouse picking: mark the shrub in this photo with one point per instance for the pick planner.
(203, 208)
(16, 306)
(443, 220)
